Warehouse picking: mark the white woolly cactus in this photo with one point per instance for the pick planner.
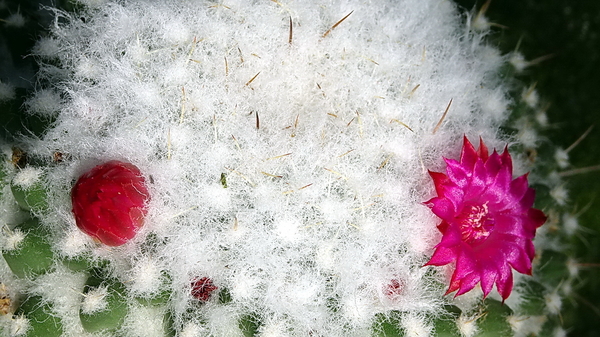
(285, 147)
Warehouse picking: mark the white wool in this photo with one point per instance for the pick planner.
(145, 277)
(27, 177)
(415, 326)
(18, 325)
(530, 96)
(467, 325)
(526, 325)
(95, 300)
(562, 158)
(553, 302)
(560, 194)
(570, 224)
(151, 325)
(323, 143)
(11, 238)
(63, 289)
(44, 102)
(518, 61)
(15, 20)
(7, 92)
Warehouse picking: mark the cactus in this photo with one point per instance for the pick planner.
(276, 159)
(28, 189)
(29, 253)
(40, 318)
(104, 306)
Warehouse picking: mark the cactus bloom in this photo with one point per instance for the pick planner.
(488, 222)
(109, 202)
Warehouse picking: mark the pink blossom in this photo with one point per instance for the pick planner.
(488, 222)
(109, 202)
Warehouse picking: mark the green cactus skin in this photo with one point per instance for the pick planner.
(386, 326)
(160, 299)
(78, 263)
(494, 323)
(113, 315)
(553, 268)
(42, 322)
(446, 326)
(33, 255)
(31, 199)
(533, 299)
(3, 177)
(249, 325)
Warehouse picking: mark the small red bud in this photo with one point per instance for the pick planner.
(109, 202)
(202, 288)
(394, 288)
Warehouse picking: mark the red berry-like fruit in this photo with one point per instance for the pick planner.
(202, 288)
(109, 202)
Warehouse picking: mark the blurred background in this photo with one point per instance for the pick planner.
(568, 80)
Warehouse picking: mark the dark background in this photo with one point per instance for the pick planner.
(569, 80)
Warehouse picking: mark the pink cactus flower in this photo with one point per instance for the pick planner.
(109, 202)
(488, 222)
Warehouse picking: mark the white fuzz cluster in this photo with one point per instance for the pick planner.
(526, 325)
(285, 145)
(94, 300)
(7, 92)
(27, 177)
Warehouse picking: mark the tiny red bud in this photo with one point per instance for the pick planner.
(394, 288)
(202, 288)
(109, 202)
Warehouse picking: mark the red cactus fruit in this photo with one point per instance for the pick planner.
(109, 202)
(202, 288)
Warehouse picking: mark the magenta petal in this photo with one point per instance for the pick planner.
(530, 250)
(468, 282)
(483, 150)
(510, 224)
(468, 156)
(442, 208)
(517, 190)
(439, 180)
(441, 256)
(503, 180)
(489, 274)
(504, 283)
(492, 167)
(536, 217)
(465, 263)
(506, 159)
(457, 173)
(477, 184)
(517, 257)
(528, 199)
(450, 238)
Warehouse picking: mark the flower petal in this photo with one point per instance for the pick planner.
(442, 207)
(489, 273)
(468, 156)
(441, 256)
(504, 283)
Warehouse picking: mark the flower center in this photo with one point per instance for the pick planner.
(475, 223)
